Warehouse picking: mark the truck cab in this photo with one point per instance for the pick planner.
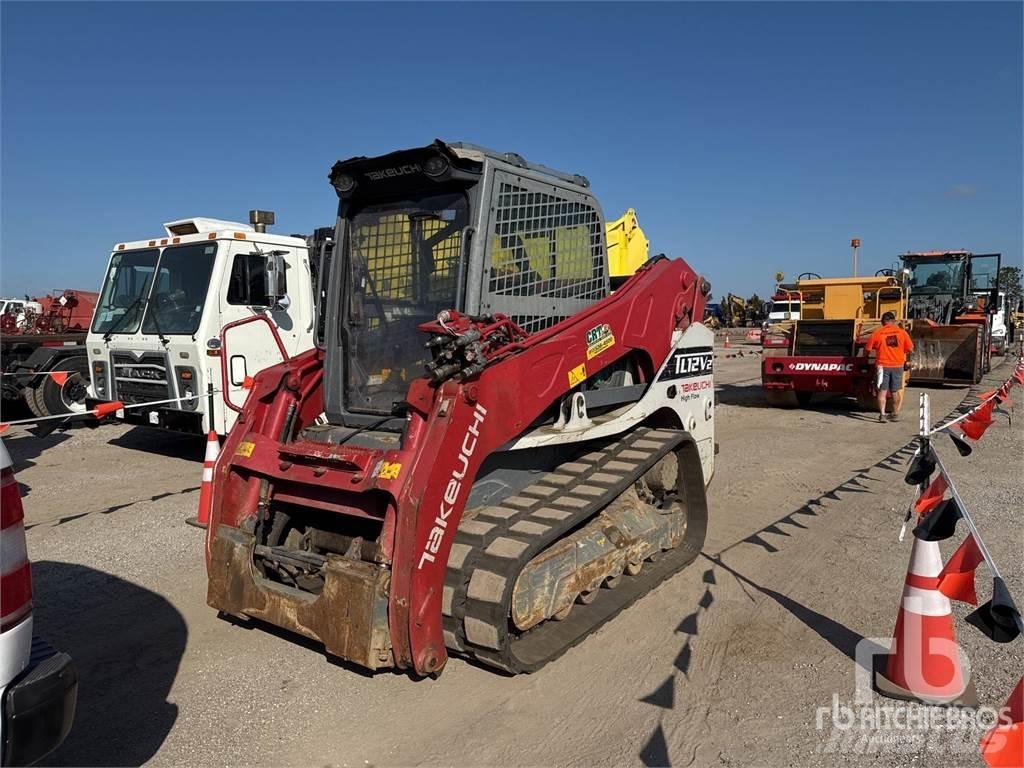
(999, 318)
(185, 320)
(783, 308)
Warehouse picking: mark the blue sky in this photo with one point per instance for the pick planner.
(750, 138)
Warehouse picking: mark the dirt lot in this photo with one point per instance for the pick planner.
(727, 663)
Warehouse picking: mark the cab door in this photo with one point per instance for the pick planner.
(258, 331)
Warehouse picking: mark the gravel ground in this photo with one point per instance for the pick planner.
(727, 663)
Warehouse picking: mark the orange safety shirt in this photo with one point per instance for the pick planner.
(891, 344)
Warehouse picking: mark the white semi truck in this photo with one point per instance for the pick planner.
(1000, 324)
(185, 320)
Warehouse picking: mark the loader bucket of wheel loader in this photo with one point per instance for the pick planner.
(946, 354)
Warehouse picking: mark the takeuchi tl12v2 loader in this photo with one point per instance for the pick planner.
(490, 452)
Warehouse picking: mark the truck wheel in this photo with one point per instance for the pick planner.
(68, 398)
(28, 394)
(782, 399)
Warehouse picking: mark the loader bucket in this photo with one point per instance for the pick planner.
(946, 354)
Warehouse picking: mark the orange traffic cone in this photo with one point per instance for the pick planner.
(1003, 746)
(727, 345)
(202, 519)
(923, 663)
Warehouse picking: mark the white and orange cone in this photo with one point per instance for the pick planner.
(1003, 746)
(923, 663)
(727, 345)
(202, 519)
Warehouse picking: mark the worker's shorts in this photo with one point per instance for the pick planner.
(889, 379)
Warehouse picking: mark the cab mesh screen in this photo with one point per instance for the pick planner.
(546, 257)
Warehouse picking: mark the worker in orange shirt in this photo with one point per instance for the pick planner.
(891, 345)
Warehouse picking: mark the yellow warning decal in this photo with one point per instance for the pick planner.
(578, 374)
(389, 470)
(245, 448)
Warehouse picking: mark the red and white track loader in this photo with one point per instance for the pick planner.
(489, 452)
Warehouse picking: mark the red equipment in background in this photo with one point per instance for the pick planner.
(50, 341)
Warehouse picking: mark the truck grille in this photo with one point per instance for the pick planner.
(140, 380)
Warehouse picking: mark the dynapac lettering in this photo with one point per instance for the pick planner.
(453, 488)
(689, 362)
(821, 367)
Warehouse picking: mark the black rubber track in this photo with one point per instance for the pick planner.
(494, 544)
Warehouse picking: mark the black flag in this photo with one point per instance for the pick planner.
(999, 618)
(940, 523)
(922, 466)
(961, 445)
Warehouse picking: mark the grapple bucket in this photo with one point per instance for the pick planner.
(946, 354)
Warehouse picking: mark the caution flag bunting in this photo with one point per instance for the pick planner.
(974, 426)
(956, 579)
(962, 446)
(932, 496)
(998, 619)
(940, 523)
(105, 409)
(922, 465)
(984, 411)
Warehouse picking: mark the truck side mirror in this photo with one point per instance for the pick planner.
(275, 281)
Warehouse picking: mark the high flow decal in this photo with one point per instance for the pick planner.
(688, 362)
(821, 367)
(454, 488)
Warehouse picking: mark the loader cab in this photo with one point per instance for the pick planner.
(945, 285)
(447, 226)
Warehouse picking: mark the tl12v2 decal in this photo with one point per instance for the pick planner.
(688, 362)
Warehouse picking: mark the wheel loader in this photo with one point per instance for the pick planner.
(490, 452)
(952, 298)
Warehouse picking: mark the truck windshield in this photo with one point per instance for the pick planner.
(936, 276)
(179, 291)
(403, 264)
(124, 290)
